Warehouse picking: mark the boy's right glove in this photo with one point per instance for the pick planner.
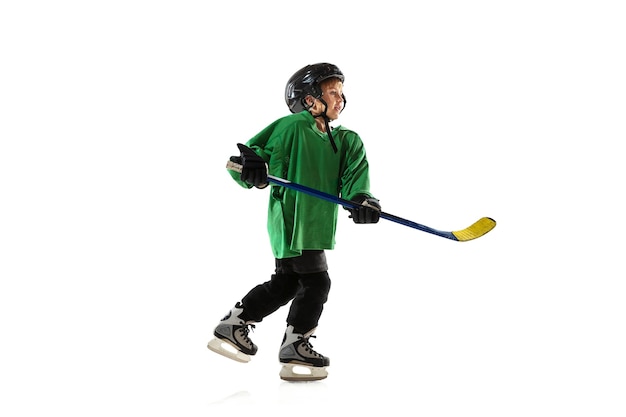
(367, 212)
(254, 169)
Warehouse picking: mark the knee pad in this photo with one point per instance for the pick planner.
(316, 285)
(285, 284)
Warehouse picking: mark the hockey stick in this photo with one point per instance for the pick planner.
(476, 230)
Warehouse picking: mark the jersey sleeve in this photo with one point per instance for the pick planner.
(355, 174)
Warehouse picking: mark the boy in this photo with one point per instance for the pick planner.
(302, 148)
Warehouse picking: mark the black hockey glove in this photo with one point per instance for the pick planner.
(254, 169)
(367, 212)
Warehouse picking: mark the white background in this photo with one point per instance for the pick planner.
(123, 240)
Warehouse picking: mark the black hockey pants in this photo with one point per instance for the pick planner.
(304, 280)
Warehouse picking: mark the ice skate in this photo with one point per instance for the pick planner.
(231, 337)
(300, 362)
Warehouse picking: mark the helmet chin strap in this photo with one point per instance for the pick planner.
(328, 132)
(326, 123)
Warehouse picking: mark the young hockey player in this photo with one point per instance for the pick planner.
(303, 148)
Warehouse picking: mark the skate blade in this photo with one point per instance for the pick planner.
(227, 349)
(296, 372)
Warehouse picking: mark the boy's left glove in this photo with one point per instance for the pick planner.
(254, 169)
(368, 210)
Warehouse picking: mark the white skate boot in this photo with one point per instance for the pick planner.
(300, 362)
(231, 337)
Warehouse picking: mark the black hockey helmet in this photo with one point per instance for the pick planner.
(306, 81)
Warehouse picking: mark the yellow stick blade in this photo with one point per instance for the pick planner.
(478, 229)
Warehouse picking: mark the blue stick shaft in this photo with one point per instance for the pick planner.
(476, 230)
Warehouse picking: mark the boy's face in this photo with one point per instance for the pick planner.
(332, 93)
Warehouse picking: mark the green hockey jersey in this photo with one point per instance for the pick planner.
(296, 150)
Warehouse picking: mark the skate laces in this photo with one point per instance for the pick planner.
(308, 346)
(245, 330)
